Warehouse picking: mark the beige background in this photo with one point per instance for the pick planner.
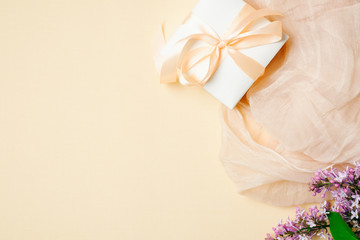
(93, 147)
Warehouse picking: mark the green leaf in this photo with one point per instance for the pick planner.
(339, 229)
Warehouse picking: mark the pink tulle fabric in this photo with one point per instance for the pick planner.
(304, 113)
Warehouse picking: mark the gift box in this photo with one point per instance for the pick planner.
(223, 46)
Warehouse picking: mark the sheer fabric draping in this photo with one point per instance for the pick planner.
(304, 112)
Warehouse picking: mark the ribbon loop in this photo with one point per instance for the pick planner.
(239, 35)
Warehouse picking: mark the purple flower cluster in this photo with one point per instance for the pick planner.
(344, 187)
(306, 225)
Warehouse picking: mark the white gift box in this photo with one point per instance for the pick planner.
(228, 83)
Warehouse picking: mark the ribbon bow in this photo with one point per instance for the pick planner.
(239, 35)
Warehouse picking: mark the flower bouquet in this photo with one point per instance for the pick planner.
(338, 220)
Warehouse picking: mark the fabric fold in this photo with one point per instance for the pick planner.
(303, 114)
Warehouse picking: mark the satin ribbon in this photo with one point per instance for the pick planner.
(238, 35)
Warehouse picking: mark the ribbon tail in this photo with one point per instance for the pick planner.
(158, 44)
(168, 73)
(245, 18)
(248, 65)
(270, 33)
(165, 66)
(213, 65)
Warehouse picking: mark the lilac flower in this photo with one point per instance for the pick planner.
(344, 188)
(306, 225)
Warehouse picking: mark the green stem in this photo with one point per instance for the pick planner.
(315, 228)
(309, 229)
